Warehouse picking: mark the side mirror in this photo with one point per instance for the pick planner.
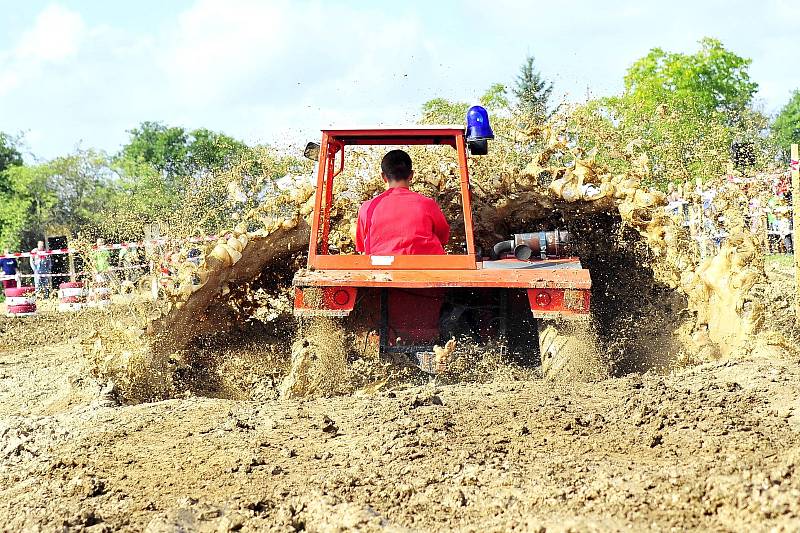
(312, 151)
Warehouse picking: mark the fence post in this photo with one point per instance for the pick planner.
(71, 265)
(795, 166)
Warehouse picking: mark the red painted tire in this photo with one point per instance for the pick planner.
(71, 300)
(19, 309)
(19, 291)
(71, 285)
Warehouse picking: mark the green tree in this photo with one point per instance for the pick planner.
(443, 111)
(164, 148)
(210, 151)
(14, 194)
(177, 153)
(532, 92)
(69, 195)
(25, 207)
(786, 126)
(683, 110)
(495, 99)
(713, 80)
(84, 186)
(161, 166)
(9, 153)
(188, 179)
(16, 199)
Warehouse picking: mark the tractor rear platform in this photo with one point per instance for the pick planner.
(412, 310)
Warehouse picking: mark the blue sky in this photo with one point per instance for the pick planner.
(81, 73)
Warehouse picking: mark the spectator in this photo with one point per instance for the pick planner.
(42, 265)
(194, 256)
(754, 215)
(782, 224)
(102, 261)
(10, 274)
(128, 260)
(672, 193)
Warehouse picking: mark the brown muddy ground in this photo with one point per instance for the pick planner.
(711, 447)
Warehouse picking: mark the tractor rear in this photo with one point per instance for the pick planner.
(529, 293)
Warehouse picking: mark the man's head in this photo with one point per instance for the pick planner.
(101, 242)
(40, 245)
(396, 168)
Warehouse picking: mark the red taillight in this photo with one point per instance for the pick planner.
(543, 299)
(341, 297)
(324, 301)
(558, 302)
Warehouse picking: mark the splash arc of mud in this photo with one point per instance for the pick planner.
(647, 274)
(205, 311)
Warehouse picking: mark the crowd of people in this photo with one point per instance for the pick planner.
(768, 213)
(119, 268)
(98, 266)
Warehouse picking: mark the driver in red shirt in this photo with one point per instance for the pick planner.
(400, 221)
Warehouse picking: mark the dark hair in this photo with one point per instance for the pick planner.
(396, 165)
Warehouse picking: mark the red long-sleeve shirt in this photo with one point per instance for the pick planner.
(401, 222)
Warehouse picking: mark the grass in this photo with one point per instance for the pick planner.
(784, 260)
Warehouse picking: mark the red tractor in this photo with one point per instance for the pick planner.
(529, 293)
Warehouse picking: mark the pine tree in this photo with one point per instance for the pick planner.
(532, 92)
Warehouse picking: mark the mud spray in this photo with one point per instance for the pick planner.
(226, 328)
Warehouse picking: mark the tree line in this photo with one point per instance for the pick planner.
(162, 174)
(685, 111)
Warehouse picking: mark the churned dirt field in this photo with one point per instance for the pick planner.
(714, 446)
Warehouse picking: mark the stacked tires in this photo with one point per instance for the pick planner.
(71, 296)
(20, 301)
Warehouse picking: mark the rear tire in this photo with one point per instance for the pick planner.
(569, 351)
(319, 360)
(520, 330)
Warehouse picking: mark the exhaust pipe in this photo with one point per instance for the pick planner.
(523, 252)
(546, 244)
(500, 248)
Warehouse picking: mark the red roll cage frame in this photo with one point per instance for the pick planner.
(332, 152)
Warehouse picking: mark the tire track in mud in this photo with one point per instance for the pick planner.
(702, 448)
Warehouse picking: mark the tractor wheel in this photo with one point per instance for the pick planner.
(569, 351)
(319, 360)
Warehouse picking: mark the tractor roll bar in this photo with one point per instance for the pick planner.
(333, 142)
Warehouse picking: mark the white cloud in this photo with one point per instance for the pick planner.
(55, 36)
(283, 52)
(216, 46)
